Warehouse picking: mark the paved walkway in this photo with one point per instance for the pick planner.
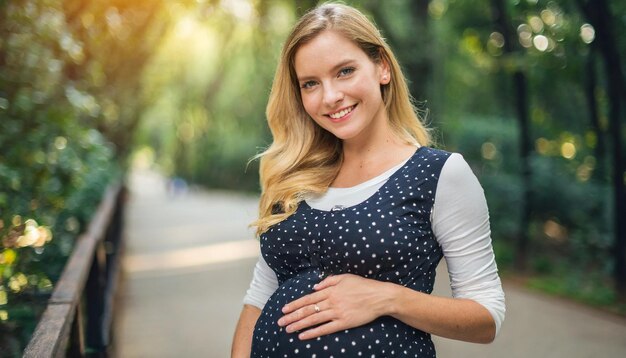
(189, 259)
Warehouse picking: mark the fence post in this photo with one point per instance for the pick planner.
(77, 320)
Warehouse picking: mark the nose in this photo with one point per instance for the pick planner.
(332, 95)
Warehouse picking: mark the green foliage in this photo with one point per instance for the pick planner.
(586, 287)
(489, 145)
(54, 163)
(207, 118)
(51, 185)
(571, 236)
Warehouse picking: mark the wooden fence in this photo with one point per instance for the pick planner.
(77, 321)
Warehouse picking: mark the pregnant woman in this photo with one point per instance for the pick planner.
(357, 211)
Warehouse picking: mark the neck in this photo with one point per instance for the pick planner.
(375, 140)
(364, 150)
(366, 159)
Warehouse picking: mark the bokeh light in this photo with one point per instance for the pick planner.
(497, 39)
(488, 150)
(525, 35)
(587, 33)
(554, 230)
(437, 8)
(540, 42)
(536, 24)
(548, 17)
(568, 150)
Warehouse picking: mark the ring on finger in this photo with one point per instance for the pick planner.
(317, 308)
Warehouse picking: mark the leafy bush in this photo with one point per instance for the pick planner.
(51, 180)
(488, 144)
(53, 166)
(570, 234)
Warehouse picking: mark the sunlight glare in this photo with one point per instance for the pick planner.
(185, 27)
(143, 158)
(114, 19)
(242, 9)
(192, 257)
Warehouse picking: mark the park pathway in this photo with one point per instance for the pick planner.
(189, 259)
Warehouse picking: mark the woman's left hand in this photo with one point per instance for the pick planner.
(339, 302)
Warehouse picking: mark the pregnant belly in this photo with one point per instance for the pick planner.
(383, 337)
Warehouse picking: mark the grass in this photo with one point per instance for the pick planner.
(592, 292)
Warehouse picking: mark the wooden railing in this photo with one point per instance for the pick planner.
(77, 321)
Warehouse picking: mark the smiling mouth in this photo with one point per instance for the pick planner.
(344, 112)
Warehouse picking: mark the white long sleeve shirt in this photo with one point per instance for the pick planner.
(460, 222)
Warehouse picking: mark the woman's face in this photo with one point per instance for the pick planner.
(340, 86)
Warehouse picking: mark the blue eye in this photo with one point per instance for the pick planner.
(307, 84)
(346, 71)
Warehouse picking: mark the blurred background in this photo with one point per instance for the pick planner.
(171, 95)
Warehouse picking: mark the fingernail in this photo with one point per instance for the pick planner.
(289, 329)
(284, 308)
(280, 322)
(315, 286)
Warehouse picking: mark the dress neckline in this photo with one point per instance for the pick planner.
(376, 193)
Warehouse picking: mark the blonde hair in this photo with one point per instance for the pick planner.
(305, 158)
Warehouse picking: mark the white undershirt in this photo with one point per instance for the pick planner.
(459, 220)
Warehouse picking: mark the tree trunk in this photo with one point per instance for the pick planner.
(591, 83)
(520, 92)
(600, 17)
(420, 66)
(412, 48)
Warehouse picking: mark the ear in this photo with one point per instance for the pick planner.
(384, 72)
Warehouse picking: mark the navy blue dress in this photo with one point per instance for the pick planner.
(387, 237)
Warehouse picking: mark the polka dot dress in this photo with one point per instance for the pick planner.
(387, 237)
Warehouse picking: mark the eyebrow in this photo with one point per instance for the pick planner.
(333, 69)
